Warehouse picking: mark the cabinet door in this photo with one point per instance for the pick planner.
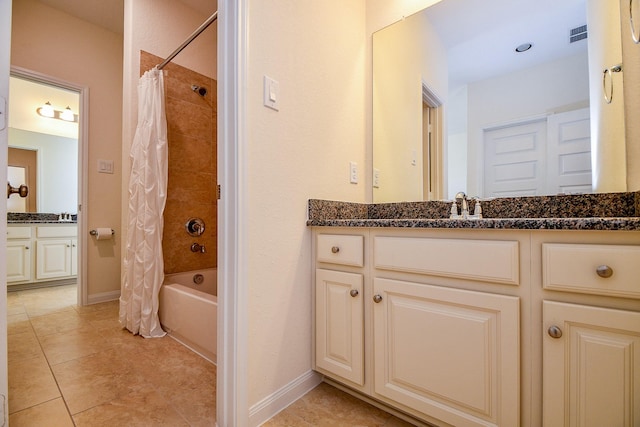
(339, 324)
(18, 261)
(451, 354)
(74, 257)
(53, 258)
(591, 369)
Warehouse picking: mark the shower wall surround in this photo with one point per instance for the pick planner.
(192, 134)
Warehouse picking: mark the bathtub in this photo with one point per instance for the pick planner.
(189, 311)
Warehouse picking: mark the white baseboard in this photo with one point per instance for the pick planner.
(268, 407)
(103, 297)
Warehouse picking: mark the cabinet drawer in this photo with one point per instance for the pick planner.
(573, 268)
(484, 260)
(64, 231)
(18, 232)
(340, 249)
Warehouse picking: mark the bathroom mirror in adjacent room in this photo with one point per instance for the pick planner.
(43, 146)
(498, 98)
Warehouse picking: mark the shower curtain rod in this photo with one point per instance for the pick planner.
(195, 34)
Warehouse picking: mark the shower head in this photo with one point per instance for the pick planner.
(202, 91)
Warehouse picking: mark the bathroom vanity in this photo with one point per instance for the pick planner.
(41, 253)
(493, 322)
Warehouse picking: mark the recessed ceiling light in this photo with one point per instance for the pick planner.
(524, 47)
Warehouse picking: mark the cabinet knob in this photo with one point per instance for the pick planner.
(354, 293)
(335, 249)
(554, 331)
(604, 271)
(26, 247)
(377, 298)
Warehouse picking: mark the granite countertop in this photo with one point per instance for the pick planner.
(603, 211)
(38, 218)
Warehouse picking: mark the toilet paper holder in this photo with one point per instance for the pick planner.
(95, 232)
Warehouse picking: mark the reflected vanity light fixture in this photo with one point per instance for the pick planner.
(524, 47)
(48, 111)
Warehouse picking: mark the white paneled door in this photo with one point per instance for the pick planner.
(546, 156)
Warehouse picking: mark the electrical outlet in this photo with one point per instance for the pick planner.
(353, 172)
(376, 178)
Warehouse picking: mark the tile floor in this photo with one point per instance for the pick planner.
(75, 366)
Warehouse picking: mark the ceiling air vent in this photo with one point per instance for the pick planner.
(578, 33)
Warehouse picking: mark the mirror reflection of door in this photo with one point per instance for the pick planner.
(22, 170)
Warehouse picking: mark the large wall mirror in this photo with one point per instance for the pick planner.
(499, 98)
(43, 148)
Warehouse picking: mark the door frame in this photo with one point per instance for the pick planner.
(5, 54)
(83, 164)
(232, 398)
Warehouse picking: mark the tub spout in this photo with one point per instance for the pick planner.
(198, 248)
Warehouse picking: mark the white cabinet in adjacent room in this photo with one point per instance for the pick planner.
(53, 258)
(18, 261)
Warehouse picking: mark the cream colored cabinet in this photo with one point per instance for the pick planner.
(449, 353)
(340, 324)
(339, 307)
(591, 362)
(18, 261)
(74, 257)
(395, 327)
(37, 253)
(53, 258)
(19, 249)
(591, 366)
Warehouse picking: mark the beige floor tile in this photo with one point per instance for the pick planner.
(30, 383)
(62, 347)
(14, 304)
(59, 322)
(97, 379)
(51, 413)
(18, 324)
(109, 305)
(23, 345)
(143, 407)
(327, 406)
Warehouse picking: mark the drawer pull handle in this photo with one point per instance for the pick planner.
(604, 271)
(377, 298)
(354, 293)
(554, 331)
(335, 249)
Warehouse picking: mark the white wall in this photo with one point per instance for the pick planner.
(57, 176)
(84, 54)
(557, 86)
(301, 151)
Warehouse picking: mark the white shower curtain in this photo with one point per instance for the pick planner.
(143, 262)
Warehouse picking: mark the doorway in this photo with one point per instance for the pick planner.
(45, 145)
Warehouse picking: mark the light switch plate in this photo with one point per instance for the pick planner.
(105, 166)
(271, 93)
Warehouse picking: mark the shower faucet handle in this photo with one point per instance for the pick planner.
(196, 247)
(194, 227)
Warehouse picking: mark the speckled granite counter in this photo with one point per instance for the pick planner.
(605, 211)
(37, 218)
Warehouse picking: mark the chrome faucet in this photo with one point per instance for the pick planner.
(464, 202)
(198, 248)
(465, 205)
